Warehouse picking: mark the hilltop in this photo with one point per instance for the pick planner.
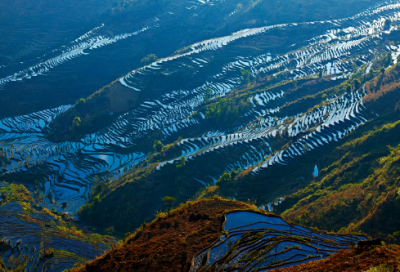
(195, 237)
(170, 242)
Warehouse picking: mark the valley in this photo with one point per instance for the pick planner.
(100, 129)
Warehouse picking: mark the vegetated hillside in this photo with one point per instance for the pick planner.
(170, 242)
(202, 24)
(274, 182)
(382, 258)
(358, 185)
(211, 233)
(383, 93)
(28, 232)
(133, 198)
(131, 31)
(357, 189)
(254, 95)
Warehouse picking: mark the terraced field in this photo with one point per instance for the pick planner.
(294, 91)
(173, 90)
(27, 231)
(109, 43)
(25, 26)
(257, 242)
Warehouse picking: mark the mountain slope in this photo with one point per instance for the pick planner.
(384, 258)
(358, 185)
(101, 42)
(29, 232)
(358, 190)
(222, 104)
(169, 242)
(208, 234)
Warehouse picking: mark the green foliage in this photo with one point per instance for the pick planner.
(211, 190)
(348, 88)
(158, 146)
(168, 200)
(381, 268)
(246, 75)
(183, 161)
(77, 122)
(16, 192)
(225, 111)
(207, 97)
(357, 83)
(149, 59)
(228, 184)
(358, 185)
(80, 103)
(389, 59)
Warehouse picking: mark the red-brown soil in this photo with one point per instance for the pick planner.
(349, 260)
(170, 243)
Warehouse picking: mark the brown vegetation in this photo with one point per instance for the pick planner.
(169, 243)
(349, 260)
(383, 92)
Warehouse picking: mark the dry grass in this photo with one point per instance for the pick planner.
(169, 243)
(350, 260)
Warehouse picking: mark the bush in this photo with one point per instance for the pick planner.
(149, 59)
(158, 146)
(382, 268)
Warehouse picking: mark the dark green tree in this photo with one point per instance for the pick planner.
(246, 75)
(211, 190)
(75, 124)
(389, 59)
(168, 200)
(158, 146)
(357, 83)
(149, 59)
(228, 184)
(207, 97)
(80, 103)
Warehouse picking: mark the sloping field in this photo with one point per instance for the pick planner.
(256, 242)
(175, 96)
(27, 231)
(378, 259)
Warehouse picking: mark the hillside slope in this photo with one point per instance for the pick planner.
(169, 243)
(214, 234)
(358, 184)
(29, 232)
(86, 46)
(384, 258)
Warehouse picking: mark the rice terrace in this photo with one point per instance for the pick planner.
(200, 135)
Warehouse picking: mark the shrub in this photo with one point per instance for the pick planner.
(149, 59)
(158, 146)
